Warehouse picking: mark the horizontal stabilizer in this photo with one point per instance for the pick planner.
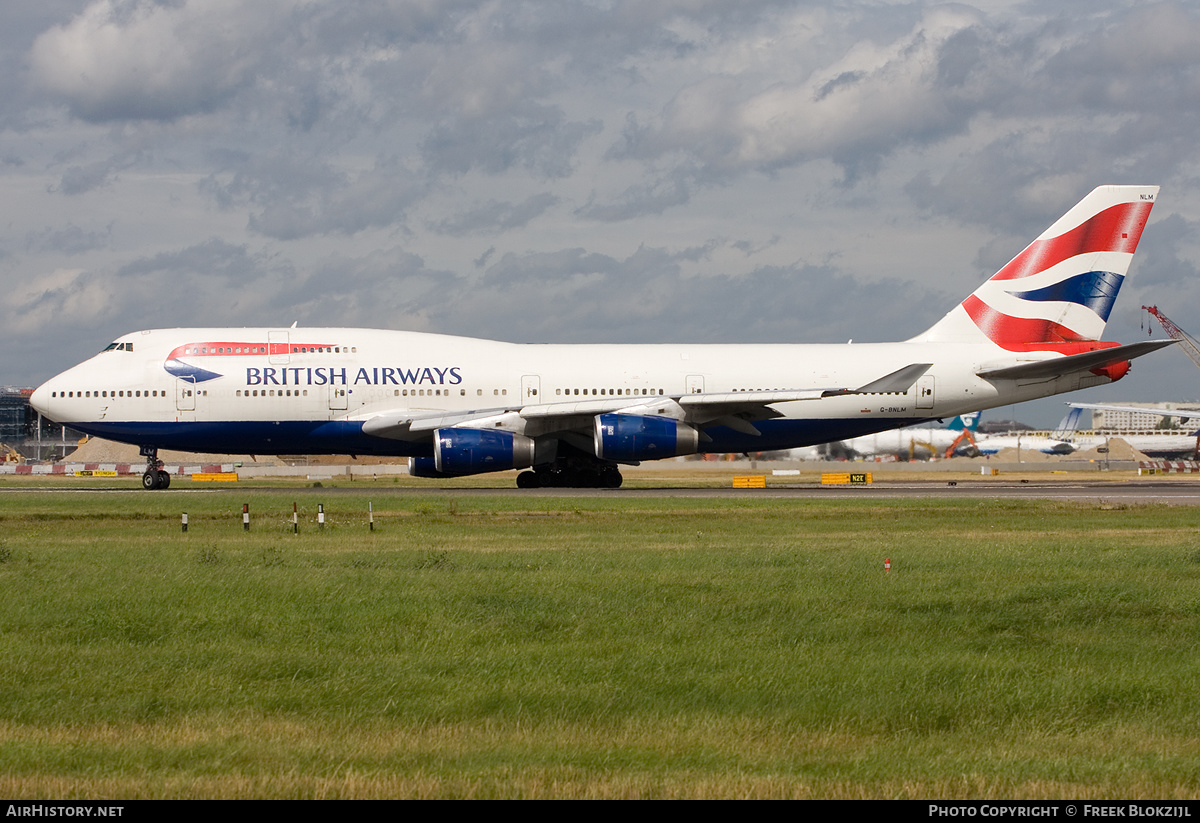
(899, 381)
(1056, 366)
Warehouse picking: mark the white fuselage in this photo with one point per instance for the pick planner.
(272, 391)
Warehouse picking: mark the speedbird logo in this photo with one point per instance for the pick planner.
(181, 361)
(1058, 290)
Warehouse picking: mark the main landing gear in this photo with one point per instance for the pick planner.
(154, 477)
(559, 475)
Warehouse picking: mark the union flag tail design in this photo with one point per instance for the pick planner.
(1056, 295)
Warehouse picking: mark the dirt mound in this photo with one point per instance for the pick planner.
(1118, 449)
(97, 450)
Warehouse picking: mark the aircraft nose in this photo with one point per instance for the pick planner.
(40, 400)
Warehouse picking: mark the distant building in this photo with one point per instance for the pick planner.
(32, 435)
(1108, 420)
(16, 416)
(1002, 427)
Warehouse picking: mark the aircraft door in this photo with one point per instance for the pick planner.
(531, 389)
(279, 348)
(695, 384)
(925, 392)
(185, 395)
(338, 401)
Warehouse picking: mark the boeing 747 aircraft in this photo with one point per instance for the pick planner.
(573, 414)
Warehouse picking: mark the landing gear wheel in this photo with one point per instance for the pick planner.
(528, 480)
(611, 479)
(154, 477)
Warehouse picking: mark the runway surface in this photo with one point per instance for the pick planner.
(1169, 493)
(1137, 491)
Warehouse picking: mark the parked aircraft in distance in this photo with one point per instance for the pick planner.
(1066, 439)
(573, 414)
(920, 442)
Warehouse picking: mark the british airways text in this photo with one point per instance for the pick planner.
(378, 376)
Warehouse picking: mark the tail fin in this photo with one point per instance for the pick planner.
(1061, 288)
(1067, 426)
(965, 422)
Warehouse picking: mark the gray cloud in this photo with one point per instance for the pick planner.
(539, 140)
(142, 60)
(69, 240)
(289, 197)
(212, 259)
(82, 179)
(493, 216)
(645, 297)
(643, 199)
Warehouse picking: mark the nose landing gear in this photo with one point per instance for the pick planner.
(154, 477)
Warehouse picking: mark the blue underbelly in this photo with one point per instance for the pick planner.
(346, 437)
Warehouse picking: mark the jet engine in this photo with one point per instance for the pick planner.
(629, 438)
(459, 452)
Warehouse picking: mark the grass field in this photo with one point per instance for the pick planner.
(596, 647)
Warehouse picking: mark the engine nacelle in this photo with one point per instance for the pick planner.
(630, 437)
(460, 452)
(1113, 371)
(423, 467)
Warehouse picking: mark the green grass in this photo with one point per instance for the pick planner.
(515, 646)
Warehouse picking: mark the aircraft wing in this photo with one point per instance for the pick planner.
(733, 409)
(1186, 414)
(1068, 364)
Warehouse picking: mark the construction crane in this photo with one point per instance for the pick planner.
(1186, 343)
(1175, 333)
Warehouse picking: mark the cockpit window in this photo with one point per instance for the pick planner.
(118, 347)
(111, 346)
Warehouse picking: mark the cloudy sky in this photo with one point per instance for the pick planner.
(568, 171)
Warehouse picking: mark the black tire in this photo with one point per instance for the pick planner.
(528, 480)
(150, 480)
(164, 479)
